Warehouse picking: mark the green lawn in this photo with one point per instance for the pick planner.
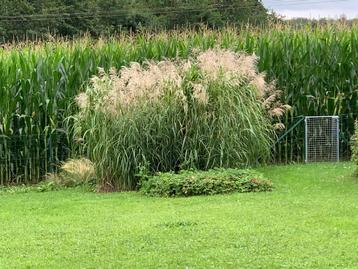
(309, 221)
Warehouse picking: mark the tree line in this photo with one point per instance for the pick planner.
(29, 19)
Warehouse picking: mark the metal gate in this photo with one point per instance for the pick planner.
(322, 139)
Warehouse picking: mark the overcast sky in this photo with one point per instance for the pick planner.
(314, 8)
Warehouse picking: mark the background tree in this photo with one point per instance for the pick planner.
(29, 19)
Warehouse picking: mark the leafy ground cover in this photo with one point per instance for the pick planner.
(211, 182)
(308, 221)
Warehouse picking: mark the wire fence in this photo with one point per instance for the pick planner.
(291, 145)
(322, 139)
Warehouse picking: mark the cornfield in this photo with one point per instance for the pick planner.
(316, 68)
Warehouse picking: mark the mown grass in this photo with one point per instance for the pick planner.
(308, 221)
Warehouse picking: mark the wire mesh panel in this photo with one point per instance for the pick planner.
(322, 139)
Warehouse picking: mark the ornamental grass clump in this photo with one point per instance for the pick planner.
(212, 110)
(72, 173)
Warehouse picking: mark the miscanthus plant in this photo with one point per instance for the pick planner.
(213, 110)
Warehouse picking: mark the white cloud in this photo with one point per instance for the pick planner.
(314, 8)
(315, 13)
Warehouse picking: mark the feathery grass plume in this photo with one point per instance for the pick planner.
(137, 82)
(80, 170)
(82, 100)
(218, 62)
(200, 113)
(279, 126)
(73, 172)
(236, 67)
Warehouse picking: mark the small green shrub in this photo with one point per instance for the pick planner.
(355, 147)
(215, 181)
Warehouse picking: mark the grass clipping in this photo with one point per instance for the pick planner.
(213, 110)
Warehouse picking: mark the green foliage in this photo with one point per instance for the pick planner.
(174, 129)
(20, 189)
(355, 147)
(24, 19)
(315, 68)
(215, 181)
(48, 185)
